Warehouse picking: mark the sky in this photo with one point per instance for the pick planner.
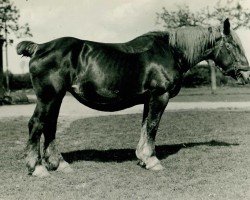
(98, 20)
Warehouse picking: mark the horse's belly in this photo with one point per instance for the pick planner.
(100, 95)
(107, 100)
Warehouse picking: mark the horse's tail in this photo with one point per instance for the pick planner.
(26, 48)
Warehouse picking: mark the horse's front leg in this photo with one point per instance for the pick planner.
(152, 113)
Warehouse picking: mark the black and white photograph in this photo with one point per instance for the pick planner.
(124, 100)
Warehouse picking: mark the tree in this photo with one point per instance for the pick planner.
(183, 16)
(9, 24)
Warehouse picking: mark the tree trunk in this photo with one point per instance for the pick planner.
(2, 91)
(213, 76)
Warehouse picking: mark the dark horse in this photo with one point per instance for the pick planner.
(109, 77)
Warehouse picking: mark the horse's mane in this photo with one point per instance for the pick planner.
(192, 40)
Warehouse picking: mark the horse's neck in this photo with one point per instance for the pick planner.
(205, 55)
(192, 50)
(186, 65)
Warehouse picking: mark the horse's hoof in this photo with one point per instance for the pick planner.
(154, 164)
(141, 163)
(40, 171)
(52, 163)
(157, 167)
(31, 165)
(64, 167)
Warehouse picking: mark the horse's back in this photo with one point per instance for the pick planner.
(137, 45)
(65, 44)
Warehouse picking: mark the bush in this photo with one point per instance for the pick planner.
(199, 75)
(19, 97)
(18, 81)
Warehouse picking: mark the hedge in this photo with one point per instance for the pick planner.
(199, 75)
(18, 81)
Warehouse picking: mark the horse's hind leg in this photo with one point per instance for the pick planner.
(52, 157)
(33, 157)
(44, 120)
(153, 110)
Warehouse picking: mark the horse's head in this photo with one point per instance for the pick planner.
(229, 55)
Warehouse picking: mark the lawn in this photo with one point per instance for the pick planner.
(205, 153)
(230, 94)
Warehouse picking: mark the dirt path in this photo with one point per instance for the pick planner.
(71, 108)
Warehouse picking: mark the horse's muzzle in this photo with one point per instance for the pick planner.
(243, 77)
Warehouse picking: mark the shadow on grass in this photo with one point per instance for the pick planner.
(122, 155)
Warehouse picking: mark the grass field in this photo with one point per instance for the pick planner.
(230, 94)
(205, 153)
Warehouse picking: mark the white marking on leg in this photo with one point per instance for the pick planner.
(145, 150)
(142, 143)
(64, 167)
(40, 171)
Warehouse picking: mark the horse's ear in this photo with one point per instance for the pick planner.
(226, 27)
